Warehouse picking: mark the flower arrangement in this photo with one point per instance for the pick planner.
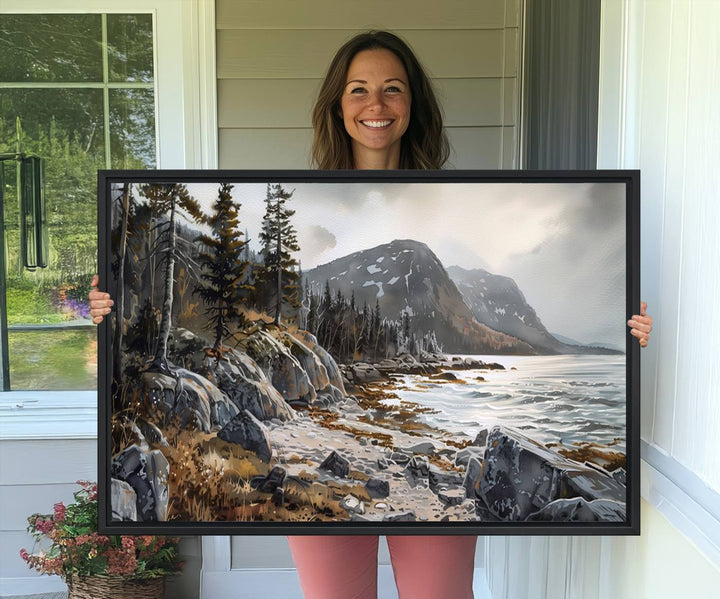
(77, 550)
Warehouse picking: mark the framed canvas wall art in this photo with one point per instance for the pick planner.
(308, 352)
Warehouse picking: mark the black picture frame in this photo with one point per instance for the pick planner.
(592, 210)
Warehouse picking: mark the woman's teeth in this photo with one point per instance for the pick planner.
(376, 124)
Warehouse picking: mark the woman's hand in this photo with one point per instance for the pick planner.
(641, 325)
(100, 302)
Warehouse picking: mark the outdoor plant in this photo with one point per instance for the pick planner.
(77, 550)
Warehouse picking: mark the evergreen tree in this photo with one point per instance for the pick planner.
(278, 239)
(224, 267)
(164, 199)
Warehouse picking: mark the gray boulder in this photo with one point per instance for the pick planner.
(336, 464)
(620, 476)
(250, 390)
(190, 397)
(579, 509)
(425, 448)
(328, 397)
(472, 477)
(418, 467)
(282, 368)
(248, 432)
(331, 367)
(236, 375)
(158, 471)
(123, 501)
(147, 474)
(362, 373)
(438, 478)
(416, 472)
(462, 457)
(399, 457)
(377, 488)
(352, 505)
(520, 477)
(481, 438)
(310, 362)
(404, 516)
(452, 496)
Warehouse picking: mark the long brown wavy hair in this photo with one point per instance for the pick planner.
(423, 146)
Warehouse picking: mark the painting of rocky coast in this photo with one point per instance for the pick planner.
(302, 354)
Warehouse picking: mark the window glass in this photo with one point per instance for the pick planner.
(132, 128)
(36, 48)
(74, 117)
(130, 47)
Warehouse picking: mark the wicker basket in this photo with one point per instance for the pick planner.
(116, 587)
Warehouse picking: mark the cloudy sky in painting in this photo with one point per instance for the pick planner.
(563, 244)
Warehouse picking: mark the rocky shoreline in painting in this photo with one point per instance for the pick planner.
(276, 430)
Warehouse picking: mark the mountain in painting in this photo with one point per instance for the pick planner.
(406, 279)
(498, 302)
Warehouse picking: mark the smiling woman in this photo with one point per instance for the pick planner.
(364, 105)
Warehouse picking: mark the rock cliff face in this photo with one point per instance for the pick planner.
(406, 277)
(498, 302)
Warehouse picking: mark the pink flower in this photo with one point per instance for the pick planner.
(59, 512)
(121, 562)
(43, 526)
(24, 555)
(128, 542)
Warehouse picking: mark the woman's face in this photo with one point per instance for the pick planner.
(375, 107)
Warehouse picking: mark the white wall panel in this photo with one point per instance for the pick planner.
(672, 231)
(697, 422)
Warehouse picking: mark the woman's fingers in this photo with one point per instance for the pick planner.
(641, 325)
(100, 302)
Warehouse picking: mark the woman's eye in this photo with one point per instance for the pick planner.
(393, 89)
(357, 90)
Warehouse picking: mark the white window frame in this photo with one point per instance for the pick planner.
(186, 136)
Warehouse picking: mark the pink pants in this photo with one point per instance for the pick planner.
(339, 567)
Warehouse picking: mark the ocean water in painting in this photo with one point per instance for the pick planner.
(553, 399)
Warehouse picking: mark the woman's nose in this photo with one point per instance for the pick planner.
(376, 99)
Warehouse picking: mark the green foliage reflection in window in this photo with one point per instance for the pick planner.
(82, 86)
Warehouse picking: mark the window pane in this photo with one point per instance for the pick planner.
(50, 48)
(132, 128)
(130, 47)
(65, 127)
(53, 359)
(73, 116)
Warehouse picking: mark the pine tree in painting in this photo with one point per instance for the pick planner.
(278, 239)
(164, 200)
(224, 268)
